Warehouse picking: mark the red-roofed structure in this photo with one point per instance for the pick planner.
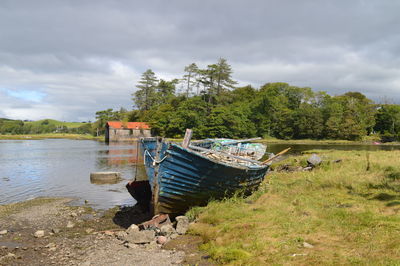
(125, 131)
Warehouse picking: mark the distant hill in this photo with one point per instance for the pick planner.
(56, 123)
(9, 126)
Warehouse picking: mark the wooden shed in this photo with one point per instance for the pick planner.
(125, 131)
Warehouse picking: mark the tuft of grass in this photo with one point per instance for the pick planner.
(349, 214)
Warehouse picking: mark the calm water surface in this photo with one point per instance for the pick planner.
(61, 168)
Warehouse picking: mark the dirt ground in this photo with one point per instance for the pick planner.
(83, 236)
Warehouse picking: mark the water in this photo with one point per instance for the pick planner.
(61, 168)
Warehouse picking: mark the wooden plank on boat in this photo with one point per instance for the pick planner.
(187, 138)
(223, 154)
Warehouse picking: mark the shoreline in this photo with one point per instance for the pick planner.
(268, 140)
(51, 136)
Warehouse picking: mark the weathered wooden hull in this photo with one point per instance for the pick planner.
(182, 178)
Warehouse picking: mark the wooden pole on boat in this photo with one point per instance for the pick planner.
(187, 138)
(276, 155)
(156, 186)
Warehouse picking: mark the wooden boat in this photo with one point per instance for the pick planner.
(180, 177)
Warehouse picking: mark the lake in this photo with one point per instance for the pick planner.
(62, 167)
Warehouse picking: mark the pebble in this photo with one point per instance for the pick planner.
(3, 232)
(70, 224)
(39, 233)
(307, 245)
(73, 214)
(161, 240)
(109, 233)
(55, 230)
(50, 245)
(89, 230)
(132, 228)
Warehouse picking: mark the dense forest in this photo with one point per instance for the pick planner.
(210, 102)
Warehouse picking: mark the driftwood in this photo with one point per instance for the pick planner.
(275, 156)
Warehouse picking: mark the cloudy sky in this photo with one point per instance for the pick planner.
(68, 59)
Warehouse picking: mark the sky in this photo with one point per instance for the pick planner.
(66, 59)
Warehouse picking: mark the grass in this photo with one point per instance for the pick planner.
(349, 214)
(51, 136)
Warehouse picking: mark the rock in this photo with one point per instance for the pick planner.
(121, 235)
(167, 230)
(337, 161)
(182, 224)
(104, 176)
(109, 233)
(55, 230)
(39, 233)
(89, 230)
(314, 160)
(74, 214)
(308, 168)
(53, 249)
(11, 255)
(3, 232)
(132, 228)
(50, 245)
(70, 224)
(141, 237)
(161, 240)
(307, 245)
(173, 236)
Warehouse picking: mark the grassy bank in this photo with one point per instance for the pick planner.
(51, 136)
(349, 212)
(366, 140)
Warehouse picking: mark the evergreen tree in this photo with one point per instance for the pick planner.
(145, 96)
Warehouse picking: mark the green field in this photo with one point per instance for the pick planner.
(340, 213)
(56, 123)
(51, 136)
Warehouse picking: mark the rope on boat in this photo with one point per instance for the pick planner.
(152, 158)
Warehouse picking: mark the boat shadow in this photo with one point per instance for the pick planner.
(131, 215)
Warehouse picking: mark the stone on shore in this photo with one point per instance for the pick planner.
(132, 228)
(167, 230)
(182, 224)
(314, 160)
(39, 233)
(141, 237)
(3, 232)
(104, 176)
(70, 224)
(162, 240)
(55, 230)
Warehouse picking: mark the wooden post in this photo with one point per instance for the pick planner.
(186, 139)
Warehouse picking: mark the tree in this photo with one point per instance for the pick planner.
(165, 91)
(145, 96)
(190, 77)
(216, 79)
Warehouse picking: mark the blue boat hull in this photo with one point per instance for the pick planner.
(181, 178)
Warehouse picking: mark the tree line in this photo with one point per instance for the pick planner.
(208, 101)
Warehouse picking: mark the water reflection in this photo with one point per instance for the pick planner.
(53, 167)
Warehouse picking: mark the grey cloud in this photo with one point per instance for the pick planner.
(88, 55)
